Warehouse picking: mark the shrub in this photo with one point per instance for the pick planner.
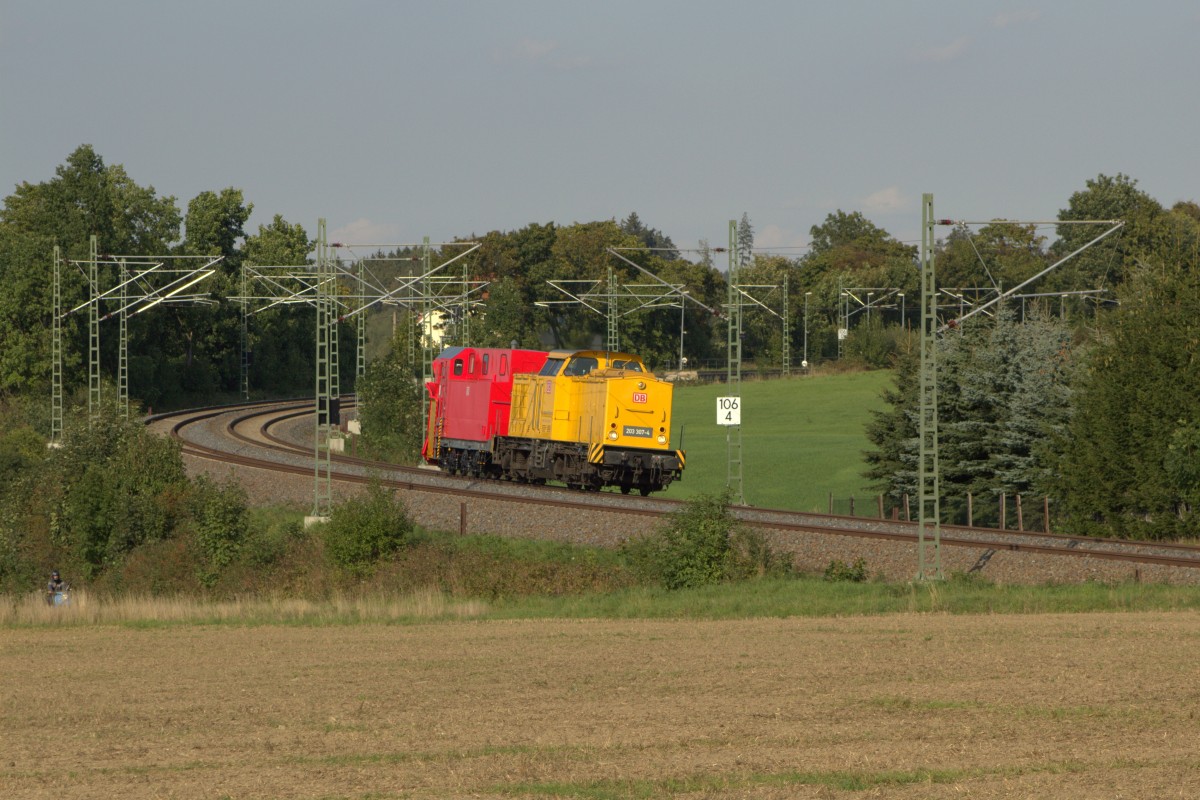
(700, 545)
(268, 544)
(876, 346)
(159, 568)
(367, 527)
(220, 524)
(20, 448)
(112, 487)
(841, 571)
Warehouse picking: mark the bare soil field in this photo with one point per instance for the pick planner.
(908, 706)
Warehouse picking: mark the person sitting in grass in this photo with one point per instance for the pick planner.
(55, 586)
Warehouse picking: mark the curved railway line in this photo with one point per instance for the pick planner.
(264, 439)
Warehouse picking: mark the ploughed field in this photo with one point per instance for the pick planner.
(907, 706)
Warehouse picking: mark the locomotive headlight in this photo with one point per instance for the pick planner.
(641, 384)
(612, 435)
(662, 439)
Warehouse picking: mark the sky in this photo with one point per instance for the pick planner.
(399, 120)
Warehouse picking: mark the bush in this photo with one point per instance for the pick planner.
(496, 567)
(367, 527)
(112, 487)
(700, 545)
(268, 544)
(851, 573)
(160, 568)
(877, 346)
(220, 523)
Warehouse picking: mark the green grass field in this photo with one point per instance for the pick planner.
(802, 438)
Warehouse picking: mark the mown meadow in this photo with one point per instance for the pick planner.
(802, 438)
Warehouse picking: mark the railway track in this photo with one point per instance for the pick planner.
(265, 437)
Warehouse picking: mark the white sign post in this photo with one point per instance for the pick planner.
(729, 411)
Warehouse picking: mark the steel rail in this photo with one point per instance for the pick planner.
(901, 532)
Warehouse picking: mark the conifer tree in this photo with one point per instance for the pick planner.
(1001, 391)
(1124, 467)
(745, 241)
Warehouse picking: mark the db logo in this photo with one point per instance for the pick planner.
(639, 397)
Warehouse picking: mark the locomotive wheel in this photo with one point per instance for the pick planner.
(645, 490)
(626, 488)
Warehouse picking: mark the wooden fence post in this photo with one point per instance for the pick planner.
(1003, 512)
(1046, 514)
(1020, 516)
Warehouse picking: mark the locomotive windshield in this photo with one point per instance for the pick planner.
(632, 366)
(551, 367)
(581, 365)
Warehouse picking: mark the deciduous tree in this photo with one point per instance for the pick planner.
(1105, 264)
(84, 198)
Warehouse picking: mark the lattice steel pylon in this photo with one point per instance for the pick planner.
(613, 340)
(360, 326)
(929, 530)
(746, 292)
(123, 343)
(929, 564)
(134, 293)
(733, 369)
(322, 466)
(427, 345)
(643, 298)
(322, 287)
(616, 300)
(93, 332)
(465, 325)
(245, 338)
(787, 333)
(335, 370)
(56, 354)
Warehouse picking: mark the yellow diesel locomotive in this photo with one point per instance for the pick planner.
(590, 419)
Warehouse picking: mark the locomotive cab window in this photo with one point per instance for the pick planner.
(485, 363)
(471, 365)
(551, 367)
(504, 363)
(457, 367)
(582, 365)
(632, 366)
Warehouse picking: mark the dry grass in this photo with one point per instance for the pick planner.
(84, 609)
(905, 706)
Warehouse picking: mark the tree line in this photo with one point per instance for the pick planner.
(1091, 401)
(1087, 398)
